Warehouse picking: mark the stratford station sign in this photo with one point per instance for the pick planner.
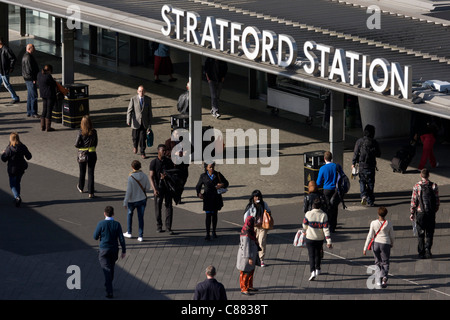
(265, 46)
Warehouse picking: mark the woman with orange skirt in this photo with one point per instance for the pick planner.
(247, 257)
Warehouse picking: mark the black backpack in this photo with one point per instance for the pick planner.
(427, 198)
(367, 152)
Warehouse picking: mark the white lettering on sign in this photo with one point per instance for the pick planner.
(266, 46)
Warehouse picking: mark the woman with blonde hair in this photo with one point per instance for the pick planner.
(87, 141)
(15, 154)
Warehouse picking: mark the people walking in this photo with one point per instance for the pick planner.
(158, 167)
(16, 154)
(382, 233)
(48, 89)
(87, 141)
(255, 208)
(163, 63)
(212, 182)
(30, 70)
(247, 257)
(424, 206)
(140, 117)
(327, 178)
(315, 226)
(215, 71)
(7, 64)
(210, 289)
(365, 153)
(109, 232)
(173, 145)
(136, 198)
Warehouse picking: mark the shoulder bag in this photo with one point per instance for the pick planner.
(369, 247)
(267, 221)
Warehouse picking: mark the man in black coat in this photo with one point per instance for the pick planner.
(7, 62)
(365, 153)
(30, 70)
(210, 289)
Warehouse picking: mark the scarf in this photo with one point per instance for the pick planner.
(248, 230)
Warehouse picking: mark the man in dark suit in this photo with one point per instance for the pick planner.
(139, 117)
(210, 289)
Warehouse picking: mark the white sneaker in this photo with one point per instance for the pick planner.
(317, 272)
(127, 235)
(313, 276)
(140, 239)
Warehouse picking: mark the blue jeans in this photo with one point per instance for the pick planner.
(5, 80)
(140, 208)
(14, 184)
(32, 98)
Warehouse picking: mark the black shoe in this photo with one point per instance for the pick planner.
(427, 254)
(15, 101)
(158, 80)
(109, 295)
(246, 293)
(208, 238)
(160, 230)
(171, 232)
(18, 201)
(214, 235)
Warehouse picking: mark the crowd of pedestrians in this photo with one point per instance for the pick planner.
(320, 207)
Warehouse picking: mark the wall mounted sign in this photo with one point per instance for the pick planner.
(265, 46)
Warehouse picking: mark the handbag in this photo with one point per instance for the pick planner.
(299, 239)
(369, 247)
(150, 138)
(82, 156)
(267, 221)
(221, 190)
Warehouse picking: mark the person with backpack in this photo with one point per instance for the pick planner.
(365, 153)
(424, 205)
(328, 178)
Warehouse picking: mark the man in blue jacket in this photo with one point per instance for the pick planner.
(327, 179)
(110, 234)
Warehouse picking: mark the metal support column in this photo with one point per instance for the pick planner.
(195, 106)
(68, 55)
(23, 21)
(337, 127)
(4, 22)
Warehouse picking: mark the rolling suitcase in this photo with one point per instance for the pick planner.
(403, 158)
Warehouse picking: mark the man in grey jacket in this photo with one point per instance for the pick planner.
(139, 117)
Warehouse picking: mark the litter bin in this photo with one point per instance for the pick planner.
(75, 105)
(312, 162)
